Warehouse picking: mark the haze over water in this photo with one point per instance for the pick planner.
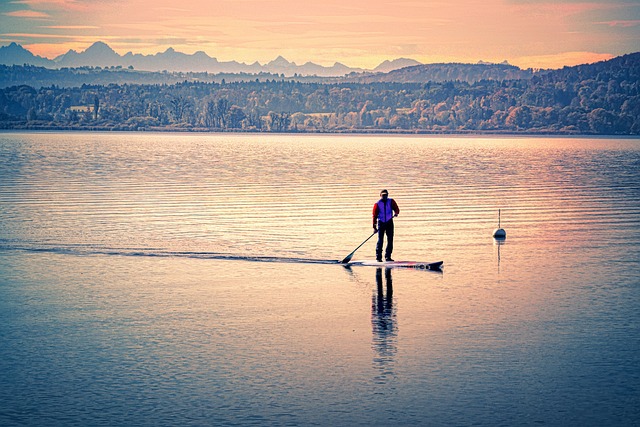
(151, 279)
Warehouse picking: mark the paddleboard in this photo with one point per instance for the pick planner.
(434, 266)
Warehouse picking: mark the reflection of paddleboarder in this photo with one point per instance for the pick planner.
(383, 303)
(383, 212)
(383, 321)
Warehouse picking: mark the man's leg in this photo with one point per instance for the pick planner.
(380, 243)
(389, 230)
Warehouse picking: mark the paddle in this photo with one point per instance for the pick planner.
(348, 257)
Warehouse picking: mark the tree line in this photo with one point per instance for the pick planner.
(601, 98)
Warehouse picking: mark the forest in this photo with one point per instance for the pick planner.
(600, 99)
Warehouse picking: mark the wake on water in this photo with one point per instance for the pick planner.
(89, 250)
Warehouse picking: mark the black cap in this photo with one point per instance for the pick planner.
(384, 192)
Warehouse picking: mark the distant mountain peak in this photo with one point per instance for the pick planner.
(505, 62)
(100, 45)
(98, 54)
(100, 49)
(15, 54)
(15, 48)
(396, 64)
(280, 61)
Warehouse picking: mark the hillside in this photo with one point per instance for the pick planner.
(598, 99)
(38, 77)
(68, 77)
(469, 73)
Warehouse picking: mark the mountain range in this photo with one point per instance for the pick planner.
(100, 54)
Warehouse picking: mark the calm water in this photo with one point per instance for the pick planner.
(169, 279)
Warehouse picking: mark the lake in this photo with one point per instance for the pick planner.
(193, 279)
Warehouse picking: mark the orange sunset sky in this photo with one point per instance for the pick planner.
(357, 33)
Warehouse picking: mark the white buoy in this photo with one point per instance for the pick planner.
(499, 233)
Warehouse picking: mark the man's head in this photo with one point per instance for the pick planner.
(384, 194)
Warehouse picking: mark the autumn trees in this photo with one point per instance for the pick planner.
(598, 99)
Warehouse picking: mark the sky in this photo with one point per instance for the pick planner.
(357, 33)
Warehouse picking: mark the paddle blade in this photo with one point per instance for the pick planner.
(347, 258)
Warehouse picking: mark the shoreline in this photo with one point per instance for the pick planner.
(161, 129)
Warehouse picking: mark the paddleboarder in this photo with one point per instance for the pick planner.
(384, 211)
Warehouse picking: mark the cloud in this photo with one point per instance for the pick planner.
(354, 32)
(40, 2)
(50, 37)
(30, 14)
(71, 27)
(47, 3)
(622, 24)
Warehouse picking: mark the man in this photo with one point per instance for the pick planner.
(383, 212)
